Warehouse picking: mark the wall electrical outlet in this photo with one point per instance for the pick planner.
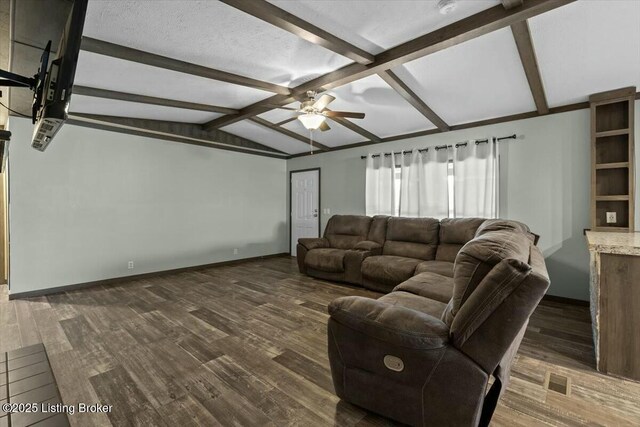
(611, 218)
(235, 251)
(130, 265)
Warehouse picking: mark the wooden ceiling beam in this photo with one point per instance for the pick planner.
(527, 52)
(128, 54)
(453, 34)
(181, 132)
(143, 99)
(284, 20)
(412, 98)
(287, 132)
(285, 121)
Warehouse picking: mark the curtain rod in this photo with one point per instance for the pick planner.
(439, 147)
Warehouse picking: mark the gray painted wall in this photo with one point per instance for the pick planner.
(95, 200)
(545, 182)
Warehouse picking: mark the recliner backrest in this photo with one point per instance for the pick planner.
(412, 237)
(494, 315)
(345, 231)
(477, 258)
(498, 224)
(454, 234)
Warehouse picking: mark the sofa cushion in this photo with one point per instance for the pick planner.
(345, 231)
(412, 238)
(378, 229)
(444, 268)
(414, 302)
(429, 285)
(326, 259)
(454, 233)
(389, 270)
(478, 257)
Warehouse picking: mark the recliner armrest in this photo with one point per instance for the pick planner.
(314, 243)
(368, 245)
(396, 325)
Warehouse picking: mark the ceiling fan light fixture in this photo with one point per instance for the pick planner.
(311, 121)
(447, 6)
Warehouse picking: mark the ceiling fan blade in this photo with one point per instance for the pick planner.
(324, 126)
(322, 102)
(349, 114)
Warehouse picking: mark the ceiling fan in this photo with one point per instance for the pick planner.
(313, 112)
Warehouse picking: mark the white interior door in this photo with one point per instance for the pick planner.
(305, 196)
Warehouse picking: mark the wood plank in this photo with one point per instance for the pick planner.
(412, 98)
(306, 368)
(282, 19)
(453, 34)
(118, 389)
(152, 100)
(522, 36)
(113, 50)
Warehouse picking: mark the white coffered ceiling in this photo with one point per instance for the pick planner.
(476, 80)
(588, 47)
(582, 48)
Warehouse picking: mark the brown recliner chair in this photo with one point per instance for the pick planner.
(426, 363)
(347, 241)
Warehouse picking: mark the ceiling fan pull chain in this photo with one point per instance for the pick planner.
(311, 140)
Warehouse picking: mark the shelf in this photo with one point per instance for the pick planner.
(612, 167)
(615, 165)
(617, 198)
(612, 133)
(612, 149)
(613, 117)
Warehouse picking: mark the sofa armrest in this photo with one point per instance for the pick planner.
(367, 245)
(395, 325)
(314, 243)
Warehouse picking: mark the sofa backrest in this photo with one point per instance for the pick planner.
(345, 231)
(412, 237)
(491, 321)
(378, 229)
(477, 258)
(454, 234)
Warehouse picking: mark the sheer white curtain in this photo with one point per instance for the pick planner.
(476, 179)
(380, 186)
(423, 189)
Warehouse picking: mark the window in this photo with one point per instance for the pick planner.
(398, 181)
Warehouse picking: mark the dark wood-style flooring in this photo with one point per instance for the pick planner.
(245, 345)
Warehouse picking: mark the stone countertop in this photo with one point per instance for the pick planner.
(614, 242)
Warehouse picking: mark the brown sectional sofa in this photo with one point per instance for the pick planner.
(381, 252)
(460, 295)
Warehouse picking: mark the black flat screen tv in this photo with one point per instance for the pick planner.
(51, 105)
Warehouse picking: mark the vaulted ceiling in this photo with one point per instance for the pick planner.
(223, 66)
